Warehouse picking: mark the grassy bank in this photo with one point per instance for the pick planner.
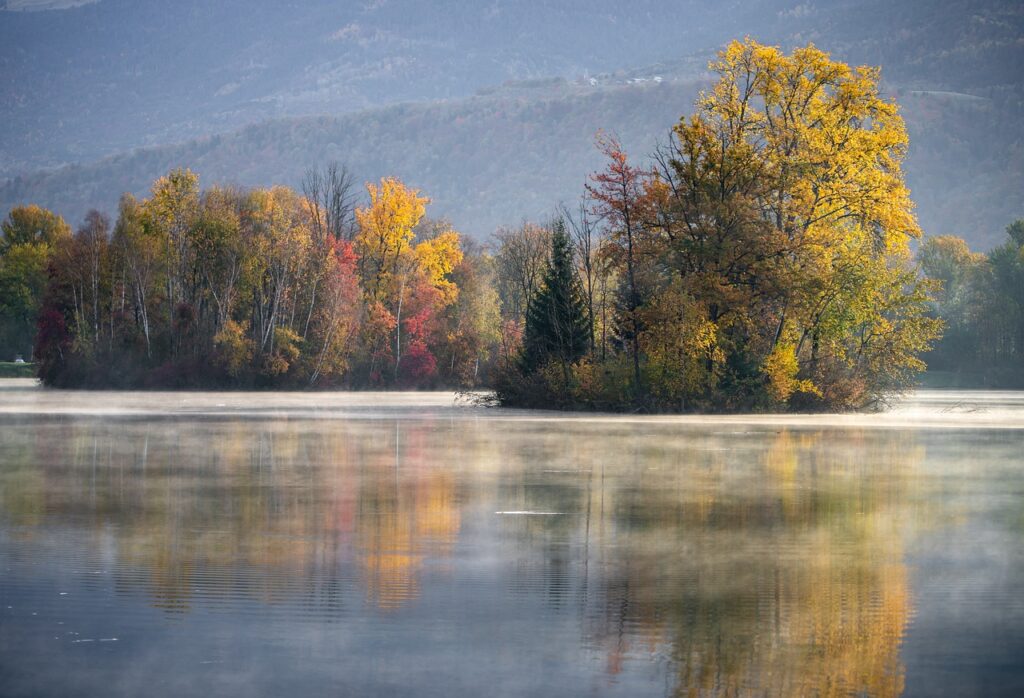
(9, 369)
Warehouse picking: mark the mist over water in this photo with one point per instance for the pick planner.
(410, 544)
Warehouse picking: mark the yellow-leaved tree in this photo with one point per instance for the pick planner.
(384, 236)
(781, 209)
(437, 258)
(169, 215)
(275, 227)
(405, 285)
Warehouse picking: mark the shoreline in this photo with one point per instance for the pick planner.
(923, 408)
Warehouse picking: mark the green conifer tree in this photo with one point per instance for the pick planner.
(557, 328)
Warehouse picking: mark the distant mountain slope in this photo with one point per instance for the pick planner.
(518, 151)
(485, 161)
(87, 81)
(91, 80)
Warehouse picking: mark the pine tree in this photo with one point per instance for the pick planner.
(556, 321)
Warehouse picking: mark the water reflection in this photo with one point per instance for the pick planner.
(237, 508)
(662, 559)
(772, 566)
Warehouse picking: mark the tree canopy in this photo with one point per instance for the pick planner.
(981, 300)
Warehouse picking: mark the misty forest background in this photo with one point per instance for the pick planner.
(492, 111)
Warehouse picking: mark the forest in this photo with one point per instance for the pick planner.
(763, 259)
(257, 288)
(981, 302)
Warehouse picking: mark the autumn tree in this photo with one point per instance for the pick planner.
(384, 236)
(138, 248)
(981, 301)
(276, 229)
(260, 287)
(221, 254)
(32, 225)
(472, 324)
(1006, 292)
(406, 284)
(331, 201)
(88, 261)
(617, 195)
(958, 300)
(168, 216)
(76, 317)
(29, 237)
(783, 213)
(428, 291)
(336, 320)
(763, 261)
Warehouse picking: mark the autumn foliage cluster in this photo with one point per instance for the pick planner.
(255, 288)
(761, 261)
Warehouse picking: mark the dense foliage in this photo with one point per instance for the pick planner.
(982, 302)
(28, 238)
(250, 288)
(763, 262)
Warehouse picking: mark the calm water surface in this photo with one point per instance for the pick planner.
(163, 544)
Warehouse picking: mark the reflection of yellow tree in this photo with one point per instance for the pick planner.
(772, 569)
(848, 605)
(389, 561)
(403, 520)
(212, 507)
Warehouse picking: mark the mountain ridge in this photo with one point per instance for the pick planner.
(518, 151)
(146, 83)
(92, 80)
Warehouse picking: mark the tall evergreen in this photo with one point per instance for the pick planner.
(557, 328)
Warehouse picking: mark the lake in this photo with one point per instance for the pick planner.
(400, 544)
